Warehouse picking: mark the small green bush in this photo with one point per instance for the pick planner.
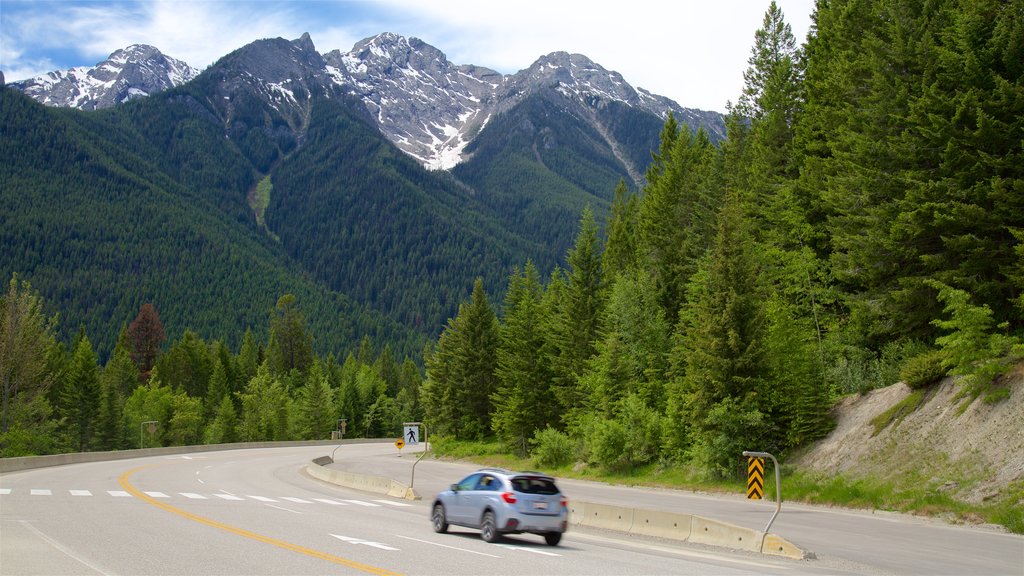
(552, 448)
(923, 370)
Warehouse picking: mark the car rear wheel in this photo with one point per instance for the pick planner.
(439, 519)
(553, 538)
(489, 528)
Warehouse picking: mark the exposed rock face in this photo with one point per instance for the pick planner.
(133, 72)
(427, 106)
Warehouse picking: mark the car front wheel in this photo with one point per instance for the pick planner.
(489, 528)
(439, 519)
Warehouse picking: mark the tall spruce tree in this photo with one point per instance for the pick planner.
(579, 319)
(461, 371)
(80, 397)
(721, 348)
(523, 401)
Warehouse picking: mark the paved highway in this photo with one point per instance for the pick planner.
(257, 512)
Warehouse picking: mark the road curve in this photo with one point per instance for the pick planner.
(256, 511)
(876, 543)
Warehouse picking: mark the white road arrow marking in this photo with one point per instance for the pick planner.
(351, 540)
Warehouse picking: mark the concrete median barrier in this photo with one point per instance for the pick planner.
(607, 517)
(681, 527)
(715, 533)
(661, 524)
(363, 482)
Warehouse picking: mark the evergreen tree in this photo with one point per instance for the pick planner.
(620, 252)
(579, 318)
(185, 427)
(523, 402)
(187, 365)
(291, 346)
(350, 403)
(265, 408)
(676, 218)
(26, 340)
(721, 347)
(80, 398)
(249, 359)
(461, 371)
(316, 406)
(218, 389)
(223, 429)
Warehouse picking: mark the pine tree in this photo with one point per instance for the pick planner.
(579, 317)
(720, 349)
(26, 340)
(317, 416)
(620, 253)
(291, 345)
(461, 377)
(523, 402)
(80, 398)
(676, 216)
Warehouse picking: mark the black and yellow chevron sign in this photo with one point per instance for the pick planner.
(755, 478)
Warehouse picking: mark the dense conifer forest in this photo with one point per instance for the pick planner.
(862, 223)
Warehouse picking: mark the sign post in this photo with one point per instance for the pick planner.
(778, 488)
(151, 426)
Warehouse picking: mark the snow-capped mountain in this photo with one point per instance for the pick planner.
(136, 71)
(427, 106)
(431, 108)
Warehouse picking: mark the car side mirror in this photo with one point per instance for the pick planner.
(455, 487)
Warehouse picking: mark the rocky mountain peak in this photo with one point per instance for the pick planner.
(423, 103)
(132, 72)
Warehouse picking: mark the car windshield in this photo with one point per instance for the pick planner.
(534, 485)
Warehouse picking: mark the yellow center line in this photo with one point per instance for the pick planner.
(123, 480)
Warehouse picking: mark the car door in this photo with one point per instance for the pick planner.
(457, 506)
(486, 491)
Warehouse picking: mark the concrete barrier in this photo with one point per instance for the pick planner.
(681, 527)
(363, 482)
(29, 462)
(661, 524)
(607, 517)
(715, 533)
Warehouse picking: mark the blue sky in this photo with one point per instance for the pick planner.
(693, 51)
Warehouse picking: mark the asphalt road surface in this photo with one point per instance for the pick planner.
(258, 512)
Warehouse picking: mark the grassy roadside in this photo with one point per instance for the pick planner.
(919, 497)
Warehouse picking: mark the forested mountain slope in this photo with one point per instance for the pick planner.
(97, 221)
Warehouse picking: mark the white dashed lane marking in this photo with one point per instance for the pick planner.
(12, 492)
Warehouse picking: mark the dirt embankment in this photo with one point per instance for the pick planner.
(970, 451)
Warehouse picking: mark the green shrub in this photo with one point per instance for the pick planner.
(552, 448)
(923, 370)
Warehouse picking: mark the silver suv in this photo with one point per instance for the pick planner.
(498, 502)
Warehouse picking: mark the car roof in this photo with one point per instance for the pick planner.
(521, 473)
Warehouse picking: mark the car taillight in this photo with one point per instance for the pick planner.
(509, 497)
(565, 502)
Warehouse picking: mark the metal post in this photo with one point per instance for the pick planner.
(142, 442)
(342, 423)
(778, 488)
(412, 480)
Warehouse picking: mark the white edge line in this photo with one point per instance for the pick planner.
(58, 546)
(283, 508)
(447, 546)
